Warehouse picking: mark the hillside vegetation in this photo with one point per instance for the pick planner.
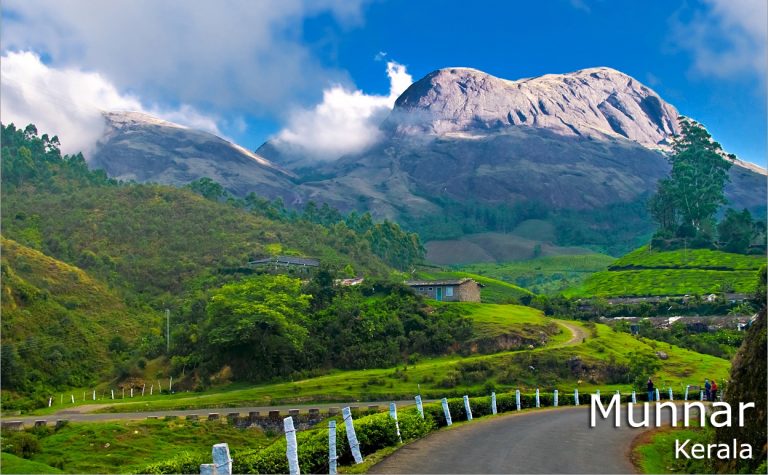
(60, 327)
(646, 272)
(544, 275)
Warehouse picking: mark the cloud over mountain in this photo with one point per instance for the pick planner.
(69, 102)
(346, 121)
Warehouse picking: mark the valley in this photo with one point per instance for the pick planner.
(174, 271)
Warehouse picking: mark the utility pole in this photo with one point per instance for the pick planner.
(167, 332)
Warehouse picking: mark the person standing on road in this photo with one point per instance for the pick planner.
(650, 390)
(713, 391)
(707, 389)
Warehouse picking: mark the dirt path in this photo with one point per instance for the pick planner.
(579, 335)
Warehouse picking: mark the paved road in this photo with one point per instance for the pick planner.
(74, 415)
(546, 441)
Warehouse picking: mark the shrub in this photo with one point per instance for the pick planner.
(23, 444)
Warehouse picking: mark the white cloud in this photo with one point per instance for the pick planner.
(345, 121)
(238, 56)
(727, 39)
(68, 102)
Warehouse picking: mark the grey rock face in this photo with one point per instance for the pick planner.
(142, 148)
(594, 103)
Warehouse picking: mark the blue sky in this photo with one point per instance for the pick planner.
(249, 70)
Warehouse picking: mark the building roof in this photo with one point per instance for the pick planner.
(422, 283)
(290, 260)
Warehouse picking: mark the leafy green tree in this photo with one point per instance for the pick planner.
(736, 231)
(208, 188)
(257, 325)
(694, 191)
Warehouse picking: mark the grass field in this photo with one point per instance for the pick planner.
(658, 454)
(544, 275)
(457, 375)
(13, 464)
(681, 272)
(120, 447)
(495, 291)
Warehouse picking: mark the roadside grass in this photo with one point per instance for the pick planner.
(495, 291)
(453, 376)
(124, 447)
(544, 275)
(10, 463)
(658, 455)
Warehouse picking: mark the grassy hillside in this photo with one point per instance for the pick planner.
(544, 275)
(58, 323)
(494, 247)
(644, 272)
(495, 291)
(607, 360)
(125, 447)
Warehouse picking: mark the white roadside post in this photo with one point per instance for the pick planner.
(131, 391)
(538, 404)
(206, 469)
(634, 397)
(50, 401)
(446, 411)
(467, 408)
(493, 402)
(113, 393)
(393, 415)
(575, 397)
(701, 395)
(354, 445)
(419, 406)
(332, 456)
(658, 398)
(143, 387)
(94, 394)
(555, 398)
(687, 387)
(670, 394)
(517, 398)
(222, 463)
(73, 398)
(618, 393)
(598, 394)
(292, 449)
(170, 384)
(151, 389)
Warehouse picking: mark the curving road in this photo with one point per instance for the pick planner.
(544, 441)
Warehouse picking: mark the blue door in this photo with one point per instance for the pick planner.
(439, 295)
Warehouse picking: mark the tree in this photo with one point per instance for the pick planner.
(685, 203)
(257, 326)
(736, 230)
(208, 189)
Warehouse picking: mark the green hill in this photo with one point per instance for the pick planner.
(544, 275)
(645, 272)
(60, 327)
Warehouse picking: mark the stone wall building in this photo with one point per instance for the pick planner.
(450, 290)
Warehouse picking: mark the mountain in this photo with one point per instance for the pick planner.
(465, 152)
(142, 148)
(596, 102)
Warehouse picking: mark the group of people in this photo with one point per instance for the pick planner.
(710, 390)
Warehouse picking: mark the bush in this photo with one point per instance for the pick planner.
(22, 443)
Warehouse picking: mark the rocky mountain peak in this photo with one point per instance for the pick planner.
(594, 102)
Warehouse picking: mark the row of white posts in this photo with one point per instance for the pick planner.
(112, 393)
(222, 463)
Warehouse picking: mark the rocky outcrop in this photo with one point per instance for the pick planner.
(595, 102)
(142, 148)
